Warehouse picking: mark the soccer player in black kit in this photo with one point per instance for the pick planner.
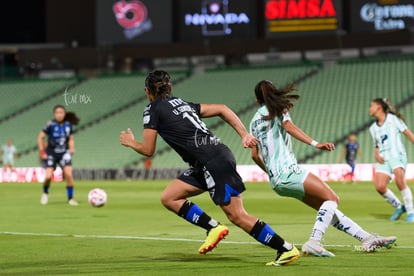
(212, 165)
(59, 150)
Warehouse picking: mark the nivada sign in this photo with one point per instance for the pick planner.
(217, 18)
(293, 16)
(381, 15)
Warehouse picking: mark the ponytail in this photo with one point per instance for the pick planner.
(277, 101)
(72, 118)
(388, 107)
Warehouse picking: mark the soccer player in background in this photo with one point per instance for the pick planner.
(389, 152)
(9, 154)
(212, 165)
(59, 150)
(350, 152)
(273, 127)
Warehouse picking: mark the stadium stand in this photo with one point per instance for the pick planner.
(334, 102)
(342, 95)
(18, 96)
(102, 104)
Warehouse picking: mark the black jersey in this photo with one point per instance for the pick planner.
(58, 136)
(178, 123)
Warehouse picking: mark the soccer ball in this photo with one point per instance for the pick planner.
(97, 197)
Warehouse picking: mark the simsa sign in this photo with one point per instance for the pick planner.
(301, 16)
(381, 15)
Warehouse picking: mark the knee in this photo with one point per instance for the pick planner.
(334, 197)
(165, 200)
(381, 189)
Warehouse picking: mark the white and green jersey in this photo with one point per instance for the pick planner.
(387, 137)
(275, 144)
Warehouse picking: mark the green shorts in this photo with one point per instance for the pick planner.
(290, 184)
(390, 165)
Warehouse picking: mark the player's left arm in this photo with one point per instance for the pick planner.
(71, 144)
(300, 135)
(409, 135)
(227, 115)
(146, 147)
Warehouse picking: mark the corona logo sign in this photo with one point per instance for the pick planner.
(387, 17)
(301, 15)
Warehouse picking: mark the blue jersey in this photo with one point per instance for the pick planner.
(58, 136)
(351, 151)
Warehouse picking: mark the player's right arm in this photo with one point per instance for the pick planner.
(146, 147)
(300, 135)
(40, 143)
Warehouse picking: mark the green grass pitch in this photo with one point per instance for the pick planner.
(135, 235)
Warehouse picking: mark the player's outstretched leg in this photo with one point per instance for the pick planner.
(370, 242)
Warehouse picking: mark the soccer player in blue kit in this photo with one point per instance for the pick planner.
(350, 152)
(59, 150)
(212, 165)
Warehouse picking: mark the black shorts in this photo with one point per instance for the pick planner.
(219, 177)
(61, 159)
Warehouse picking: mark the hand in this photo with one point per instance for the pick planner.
(379, 159)
(249, 141)
(326, 146)
(127, 138)
(43, 154)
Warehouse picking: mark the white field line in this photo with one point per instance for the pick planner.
(156, 238)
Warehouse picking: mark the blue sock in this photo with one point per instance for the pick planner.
(195, 215)
(264, 234)
(69, 191)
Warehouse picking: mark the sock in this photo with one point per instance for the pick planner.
(195, 215)
(46, 189)
(323, 219)
(347, 225)
(408, 200)
(69, 191)
(392, 199)
(264, 234)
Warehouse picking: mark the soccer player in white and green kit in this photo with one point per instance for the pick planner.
(390, 155)
(273, 127)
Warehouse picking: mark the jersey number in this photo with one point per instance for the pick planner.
(196, 121)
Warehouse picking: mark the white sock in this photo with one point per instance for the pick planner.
(347, 225)
(408, 200)
(392, 199)
(323, 219)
